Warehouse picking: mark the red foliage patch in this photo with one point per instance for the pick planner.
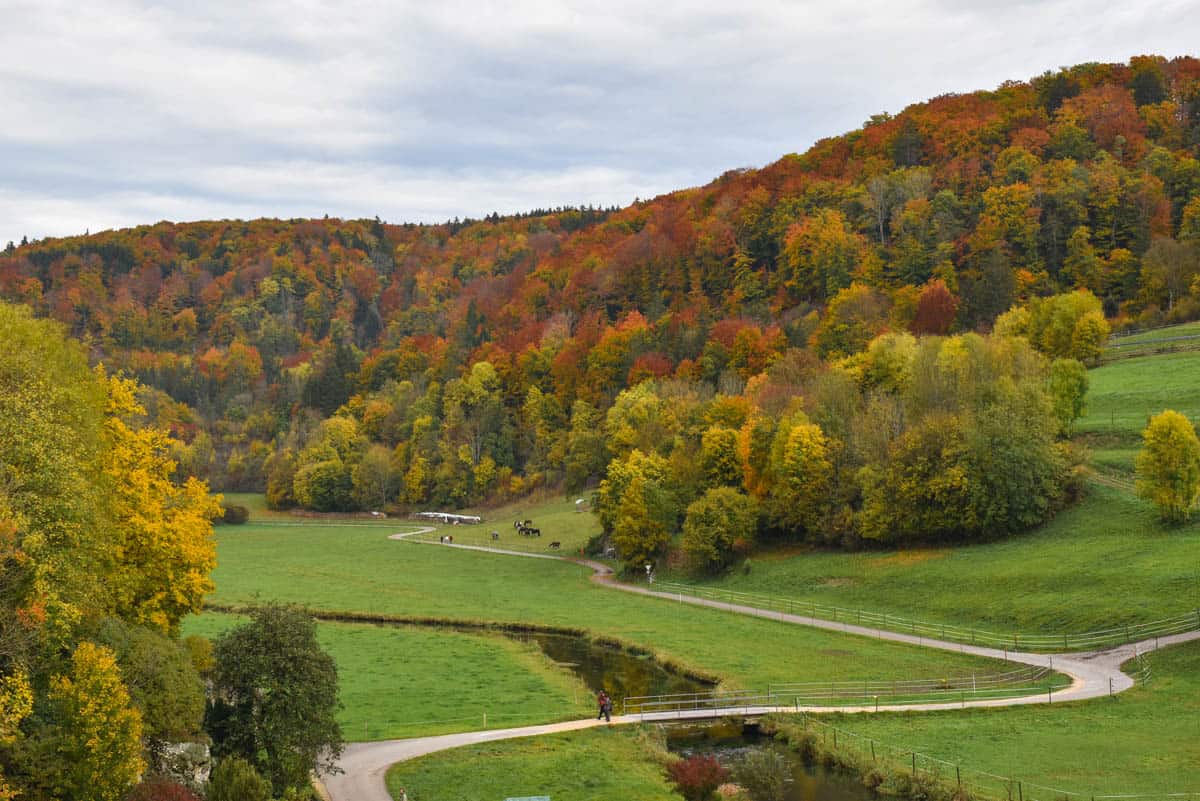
(698, 776)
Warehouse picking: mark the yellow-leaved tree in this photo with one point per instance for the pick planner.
(92, 748)
(163, 548)
(16, 702)
(1168, 466)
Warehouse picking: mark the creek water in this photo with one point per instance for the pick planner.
(621, 673)
(731, 743)
(602, 666)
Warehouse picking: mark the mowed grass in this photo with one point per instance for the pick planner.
(406, 681)
(1155, 335)
(557, 519)
(591, 765)
(357, 568)
(1124, 395)
(1141, 741)
(1106, 561)
(256, 504)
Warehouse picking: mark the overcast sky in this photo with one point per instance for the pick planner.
(119, 113)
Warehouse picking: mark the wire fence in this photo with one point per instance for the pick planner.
(1045, 643)
(1114, 351)
(868, 755)
(1024, 681)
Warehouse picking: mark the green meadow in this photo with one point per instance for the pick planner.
(356, 568)
(400, 681)
(1142, 741)
(557, 518)
(1106, 561)
(592, 765)
(1124, 395)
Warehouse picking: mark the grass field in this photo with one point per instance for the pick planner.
(594, 765)
(356, 568)
(1106, 560)
(1125, 394)
(401, 681)
(1156, 334)
(557, 519)
(1142, 741)
(256, 504)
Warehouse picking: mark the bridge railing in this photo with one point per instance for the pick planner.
(1120, 634)
(959, 689)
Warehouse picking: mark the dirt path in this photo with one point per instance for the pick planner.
(1093, 674)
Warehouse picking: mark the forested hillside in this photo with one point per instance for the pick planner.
(359, 364)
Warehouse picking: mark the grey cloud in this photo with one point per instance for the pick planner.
(121, 112)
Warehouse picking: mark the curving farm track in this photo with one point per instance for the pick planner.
(1093, 674)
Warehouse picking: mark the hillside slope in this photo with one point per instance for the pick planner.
(933, 220)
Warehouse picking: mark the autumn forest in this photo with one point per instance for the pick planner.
(882, 338)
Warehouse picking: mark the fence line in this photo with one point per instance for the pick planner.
(1016, 683)
(1129, 332)
(873, 753)
(1113, 636)
(1140, 343)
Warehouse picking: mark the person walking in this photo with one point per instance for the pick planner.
(605, 706)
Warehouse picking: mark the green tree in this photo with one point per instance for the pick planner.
(1082, 267)
(1068, 383)
(281, 476)
(801, 472)
(1168, 466)
(855, 316)
(52, 409)
(235, 779)
(923, 489)
(639, 535)
(621, 473)
(822, 255)
(1168, 269)
(276, 694)
(326, 486)
(376, 482)
(1070, 325)
(162, 680)
(716, 524)
(587, 452)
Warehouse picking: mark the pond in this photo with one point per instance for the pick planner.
(733, 743)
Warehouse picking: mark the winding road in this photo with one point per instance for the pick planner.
(1093, 674)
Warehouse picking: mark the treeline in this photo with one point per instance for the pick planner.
(102, 555)
(931, 222)
(925, 439)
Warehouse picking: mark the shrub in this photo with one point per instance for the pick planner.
(763, 774)
(235, 779)
(595, 545)
(235, 515)
(697, 777)
(717, 520)
(159, 788)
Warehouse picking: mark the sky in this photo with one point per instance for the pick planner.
(117, 113)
